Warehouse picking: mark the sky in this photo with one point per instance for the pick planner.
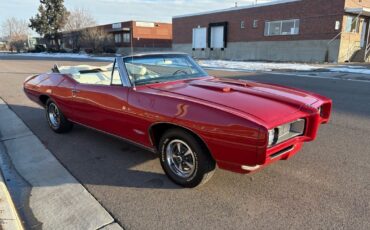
(110, 11)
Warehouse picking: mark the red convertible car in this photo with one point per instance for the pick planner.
(166, 103)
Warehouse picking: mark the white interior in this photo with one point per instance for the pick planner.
(102, 77)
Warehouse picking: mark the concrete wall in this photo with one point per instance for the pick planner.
(291, 51)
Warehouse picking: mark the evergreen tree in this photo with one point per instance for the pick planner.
(50, 20)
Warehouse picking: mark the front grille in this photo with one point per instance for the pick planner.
(282, 152)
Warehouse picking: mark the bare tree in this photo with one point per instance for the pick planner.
(97, 40)
(16, 33)
(79, 19)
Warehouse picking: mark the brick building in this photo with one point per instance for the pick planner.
(144, 36)
(286, 30)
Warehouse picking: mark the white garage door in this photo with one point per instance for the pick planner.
(217, 37)
(200, 38)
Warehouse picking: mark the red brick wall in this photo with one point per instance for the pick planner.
(159, 36)
(159, 31)
(317, 21)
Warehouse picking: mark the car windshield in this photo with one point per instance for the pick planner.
(161, 68)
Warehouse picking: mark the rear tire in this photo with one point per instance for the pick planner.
(56, 120)
(184, 159)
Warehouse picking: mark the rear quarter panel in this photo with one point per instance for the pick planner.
(56, 86)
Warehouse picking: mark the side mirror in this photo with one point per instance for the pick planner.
(55, 69)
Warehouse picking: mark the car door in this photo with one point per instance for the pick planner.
(102, 106)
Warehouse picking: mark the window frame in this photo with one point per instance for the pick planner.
(129, 59)
(117, 35)
(267, 32)
(117, 25)
(255, 23)
(356, 29)
(242, 24)
(112, 73)
(129, 37)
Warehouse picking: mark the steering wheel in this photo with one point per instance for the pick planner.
(180, 71)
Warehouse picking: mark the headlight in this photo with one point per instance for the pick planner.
(272, 135)
(321, 111)
(286, 131)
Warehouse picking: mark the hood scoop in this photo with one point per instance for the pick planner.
(233, 82)
(212, 86)
(220, 85)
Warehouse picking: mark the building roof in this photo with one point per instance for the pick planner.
(238, 8)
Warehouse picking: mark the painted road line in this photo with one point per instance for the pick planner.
(57, 199)
(9, 218)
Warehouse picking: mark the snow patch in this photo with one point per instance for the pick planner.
(255, 66)
(354, 69)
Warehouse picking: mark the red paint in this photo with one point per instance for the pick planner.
(232, 117)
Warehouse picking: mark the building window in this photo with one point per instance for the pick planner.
(117, 25)
(352, 24)
(337, 25)
(118, 38)
(242, 25)
(126, 37)
(255, 23)
(145, 24)
(284, 27)
(199, 38)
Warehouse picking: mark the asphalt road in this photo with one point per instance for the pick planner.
(325, 186)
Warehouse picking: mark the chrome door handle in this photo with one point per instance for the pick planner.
(74, 92)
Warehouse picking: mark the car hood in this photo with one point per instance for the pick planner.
(263, 101)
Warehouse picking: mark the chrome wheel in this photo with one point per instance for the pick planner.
(54, 116)
(180, 158)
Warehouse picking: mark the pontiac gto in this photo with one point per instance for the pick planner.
(166, 103)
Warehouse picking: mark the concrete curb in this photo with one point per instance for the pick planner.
(57, 199)
(9, 219)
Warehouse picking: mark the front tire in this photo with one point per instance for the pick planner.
(56, 120)
(184, 159)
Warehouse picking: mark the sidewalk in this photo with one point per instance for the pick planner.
(57, 200)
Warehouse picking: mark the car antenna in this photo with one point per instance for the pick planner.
(132, 58)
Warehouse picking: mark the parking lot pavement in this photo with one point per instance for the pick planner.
(325, 186)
